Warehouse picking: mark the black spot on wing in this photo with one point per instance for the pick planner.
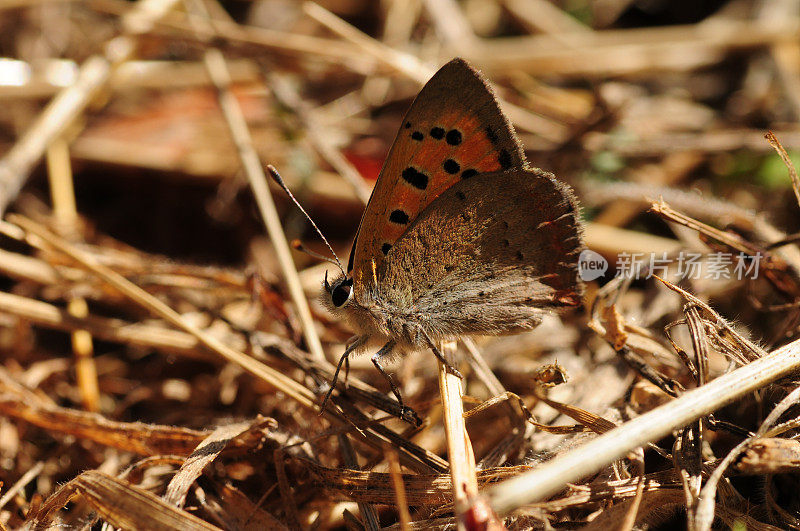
(466, 174)
(437, 133)
(450, 166)
(416, 135)
(454, 137)
(385, 248)
(415, 178)
(398, 216)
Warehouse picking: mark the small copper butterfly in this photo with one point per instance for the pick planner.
(460, 235)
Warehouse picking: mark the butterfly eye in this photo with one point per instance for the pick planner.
(341, 293)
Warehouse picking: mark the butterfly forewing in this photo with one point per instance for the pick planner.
(506, 248)
(453, 131)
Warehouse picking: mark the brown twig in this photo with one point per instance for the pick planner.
(651, 426)
(18, 162)
(775, 143)
(136, 294)
(399, 489)
(315, 131)
(215, 62)
(62, 192)
(21, 483)
(459, 446)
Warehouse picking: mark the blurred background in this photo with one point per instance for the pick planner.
(661, 94)
(629, 101)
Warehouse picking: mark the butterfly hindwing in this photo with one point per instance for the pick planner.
(453, 131)
(506, 249)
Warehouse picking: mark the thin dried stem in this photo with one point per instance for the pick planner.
(399, 488)
(18, 162)
(21, 483)
(368, 513)
(410, 66)
(402, 62)
(293, 389)
(215, 62)
(731, 240)
(626, 51)
(315, 131)
(459, 447)
(651, 426)
(62, 192)
(775, 143)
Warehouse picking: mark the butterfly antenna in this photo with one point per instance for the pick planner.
(279, 180)
(297, 245)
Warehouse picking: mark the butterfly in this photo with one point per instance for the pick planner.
(460, 236)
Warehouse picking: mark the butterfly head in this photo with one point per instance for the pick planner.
(340, 291)
(340, 298)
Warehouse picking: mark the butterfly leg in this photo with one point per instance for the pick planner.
(438, 353)
(383, 353)
(344, 359)
(350, 342)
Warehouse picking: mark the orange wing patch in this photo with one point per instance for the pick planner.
(453, 131)
(454, 148)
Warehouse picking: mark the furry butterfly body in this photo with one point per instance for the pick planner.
(471, 264)
(460, 236)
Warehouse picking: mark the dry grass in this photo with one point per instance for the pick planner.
(164, 355)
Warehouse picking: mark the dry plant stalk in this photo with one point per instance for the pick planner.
(290, 387)
(651, 426)
(199, 353)
(62, 193)
(399, 489)
(459, 446)
(218, 71)
(132, 506)
(17, 163)
(775, 143)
